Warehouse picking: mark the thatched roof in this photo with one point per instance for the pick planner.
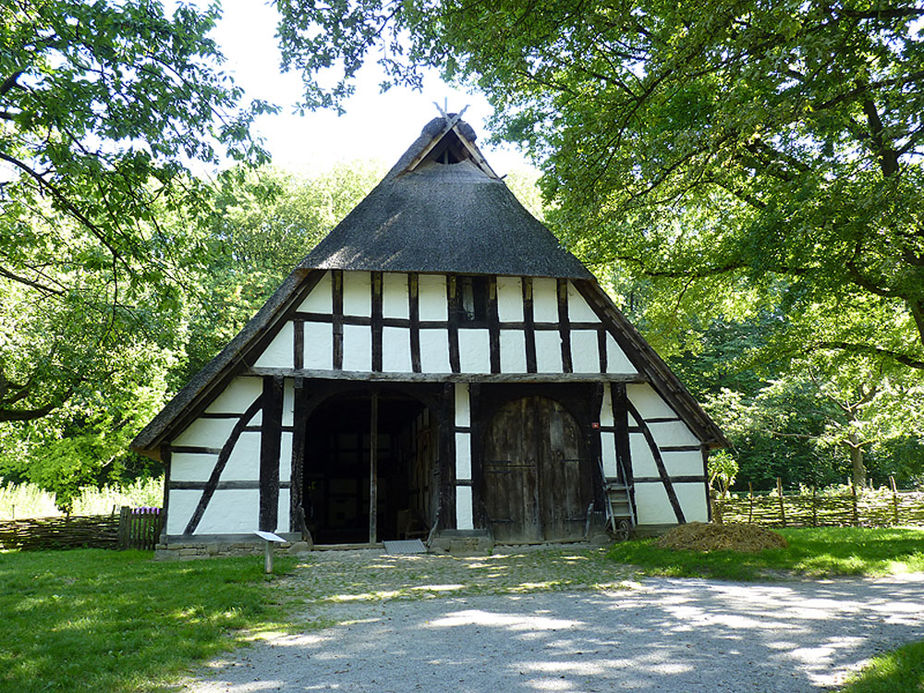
(440, 209)
(431, 216)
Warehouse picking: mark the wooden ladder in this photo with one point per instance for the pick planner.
(619, 512)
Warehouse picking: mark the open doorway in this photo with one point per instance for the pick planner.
(338, 471)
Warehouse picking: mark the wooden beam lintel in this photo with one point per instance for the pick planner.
(450, 377)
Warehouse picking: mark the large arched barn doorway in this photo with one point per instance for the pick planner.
(534, 476)
(343, 477)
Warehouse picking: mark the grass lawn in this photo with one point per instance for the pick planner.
(901, 670)
(100, 620)
(815, 552)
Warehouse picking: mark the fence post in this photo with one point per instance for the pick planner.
(125, 523)
(814, 506)
(894, 499)
(856, 512)
(779, 489)
(750, 503)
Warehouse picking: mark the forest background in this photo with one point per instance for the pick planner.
(744, 178)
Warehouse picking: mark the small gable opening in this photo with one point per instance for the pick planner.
(450, 150)
(339, 469)
(472, 304)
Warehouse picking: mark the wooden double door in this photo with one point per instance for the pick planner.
(535, 484)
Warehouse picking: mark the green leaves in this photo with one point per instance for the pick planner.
(103, 107)
(714, 145)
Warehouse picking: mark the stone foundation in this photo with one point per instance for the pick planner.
(462, 542)
(194, 550)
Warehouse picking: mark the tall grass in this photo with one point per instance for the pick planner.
(18, 501)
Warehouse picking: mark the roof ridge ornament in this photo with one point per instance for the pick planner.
(451, 118)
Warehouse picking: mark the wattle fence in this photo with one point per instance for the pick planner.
(864, 508)
(130, 528)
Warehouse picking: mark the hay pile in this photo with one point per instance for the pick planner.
(699, 536)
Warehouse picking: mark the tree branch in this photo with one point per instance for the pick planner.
(868, 349)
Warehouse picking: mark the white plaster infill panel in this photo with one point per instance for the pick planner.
(462, 414)
(608, 452)
(548, 351)
(288, 402)
(357, 348)
(282, 511)
(585, 353)
(648, 402)
(643, 463)
(431, 297)
(474, 351)
(653, 505)
(320, 300)
(606, 408)
(180, 507)
(464, 518)
(683, 463)
(281, 351)
(285, 456)
(191, 466)
(512, 351)
(395, 295)
(509, 299)
(231, 511)
(239, 394)
(463, 456)
(671, 433)
(616, 359)
(396, 350)
(244, 462)
(693, 502)
(319, 346)
(206, 433)
(578, 309)
(357, 293)
(545, 300)
(434, 351)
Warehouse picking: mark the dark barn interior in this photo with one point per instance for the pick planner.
(338, 468)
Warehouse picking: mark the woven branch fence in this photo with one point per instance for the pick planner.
(865, 508)
(130, 528)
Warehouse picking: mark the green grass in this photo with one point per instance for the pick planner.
(900, 670)
(99, 620)
(822, 552)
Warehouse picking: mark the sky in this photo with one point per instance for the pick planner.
(375, 126)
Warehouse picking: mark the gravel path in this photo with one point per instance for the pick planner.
(659, 634)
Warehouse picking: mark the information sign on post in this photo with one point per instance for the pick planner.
(268, 540)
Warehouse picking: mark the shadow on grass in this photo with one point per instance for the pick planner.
(104, 620)
(814, 552)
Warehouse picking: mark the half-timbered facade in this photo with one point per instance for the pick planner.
(438, 364)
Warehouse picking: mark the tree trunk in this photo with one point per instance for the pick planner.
(856, 461)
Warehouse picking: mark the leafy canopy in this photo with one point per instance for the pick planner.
(104, 108)
(772, 148)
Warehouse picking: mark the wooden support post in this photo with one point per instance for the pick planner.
(856, 513)
(779, 490)
(894, 500)
(125, 524)
(814, 506)
(373, 465)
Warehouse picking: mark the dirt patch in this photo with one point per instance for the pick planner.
(699, 536)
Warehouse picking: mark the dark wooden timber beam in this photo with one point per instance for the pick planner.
(364, 376)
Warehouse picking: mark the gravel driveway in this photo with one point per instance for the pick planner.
(564, 634)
